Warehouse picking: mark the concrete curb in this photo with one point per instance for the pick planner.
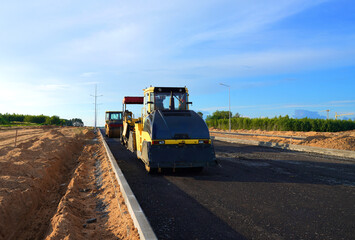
(139, 219)
(300, 148)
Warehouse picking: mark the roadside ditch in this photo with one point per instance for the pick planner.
(60, 186)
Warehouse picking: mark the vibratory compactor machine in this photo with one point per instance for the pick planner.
(113, 123)
(168, 134)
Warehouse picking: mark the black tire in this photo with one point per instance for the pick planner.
(197, 169)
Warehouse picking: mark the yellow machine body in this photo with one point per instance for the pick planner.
(169, 135)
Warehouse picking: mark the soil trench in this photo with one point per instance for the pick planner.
(59, 186)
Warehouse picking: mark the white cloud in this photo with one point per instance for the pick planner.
(88, 83)
(53, 87)
(344, 101)
(248, 17)
(119, 45)
(54, 52)
(88, 74)
(152, 34)
(258, 63)
(25, 88)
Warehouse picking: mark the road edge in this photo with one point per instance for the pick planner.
(140, 221)
(325, 151)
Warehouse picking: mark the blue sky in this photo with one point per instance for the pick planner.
(277, 56)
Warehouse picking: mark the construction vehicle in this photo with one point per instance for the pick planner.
(344, 114)
(129, 122)
(168, 134)
(113, 123)
(327, 110)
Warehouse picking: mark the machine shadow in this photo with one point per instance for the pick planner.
(245, 163)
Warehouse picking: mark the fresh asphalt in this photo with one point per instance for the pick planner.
(255, 193)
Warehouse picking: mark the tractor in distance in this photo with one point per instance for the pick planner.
(113, 123)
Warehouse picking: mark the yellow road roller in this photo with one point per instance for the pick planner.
(168, 134)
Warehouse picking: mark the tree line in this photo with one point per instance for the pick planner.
(219, 119)
(7, 119)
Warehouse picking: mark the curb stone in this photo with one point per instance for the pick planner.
(139, 219)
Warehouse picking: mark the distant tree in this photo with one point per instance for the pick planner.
(218, 115)
(54, 120)
(77, 122)
(3, 120)
(14, 117)
(40, 119)
(63, 122)
(28, 118)
(284, 124)
(68, 122)
(237, 115)
(200, 113)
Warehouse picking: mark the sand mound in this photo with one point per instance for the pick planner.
(338, 140)
(345, 142)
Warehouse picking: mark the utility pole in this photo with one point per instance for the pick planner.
(229, 92)
(95, 96)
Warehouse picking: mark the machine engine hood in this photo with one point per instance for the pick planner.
(162, 124)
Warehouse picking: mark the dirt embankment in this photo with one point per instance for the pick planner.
(11, 137)
(57, 185)
(339, 140)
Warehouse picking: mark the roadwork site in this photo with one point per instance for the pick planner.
(57, 184)
(255, 193)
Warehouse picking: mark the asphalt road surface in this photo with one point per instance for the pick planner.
(255, 193)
